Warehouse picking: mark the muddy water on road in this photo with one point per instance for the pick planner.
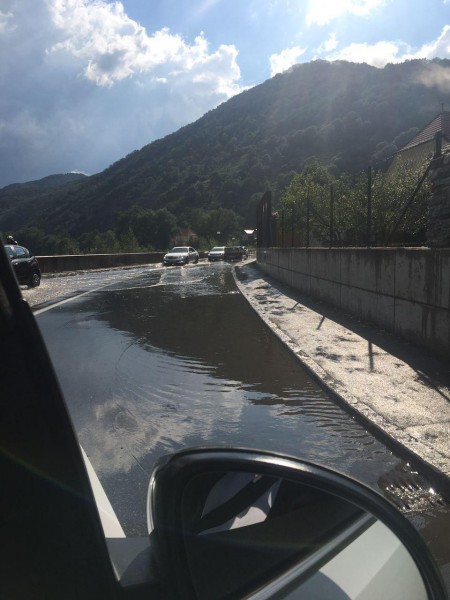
(175, 358)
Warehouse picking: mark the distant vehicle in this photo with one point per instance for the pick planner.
(216, 253)
(233, 253)
(181, 255)
(25, 265)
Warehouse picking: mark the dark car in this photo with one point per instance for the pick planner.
(232, 253)
(25, 265)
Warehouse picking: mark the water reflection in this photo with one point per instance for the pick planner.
(176, 359)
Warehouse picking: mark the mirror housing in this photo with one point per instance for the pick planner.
(212, 548)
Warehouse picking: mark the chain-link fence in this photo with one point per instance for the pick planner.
(385, 205)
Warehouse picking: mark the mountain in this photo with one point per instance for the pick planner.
(17, 198)
(344, 115)
(51, 181)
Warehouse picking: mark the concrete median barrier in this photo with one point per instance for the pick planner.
(82, 262)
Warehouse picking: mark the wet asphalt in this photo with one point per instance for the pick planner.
(154, 360)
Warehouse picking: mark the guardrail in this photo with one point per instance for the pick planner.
(81, 262)
(62, 263)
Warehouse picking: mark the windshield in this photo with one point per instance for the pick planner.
(218, 249)
(179, 249)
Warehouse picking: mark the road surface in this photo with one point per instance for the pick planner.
(152, 360)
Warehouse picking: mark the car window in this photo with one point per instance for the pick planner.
(179, 249)
(21, 252)
(9, 251)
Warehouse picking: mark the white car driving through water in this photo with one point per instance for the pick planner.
(181, 255)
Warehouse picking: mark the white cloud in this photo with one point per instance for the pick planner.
(86, 85)
(438, 48)
(384, 52)
(328, 45)
(377, 55)
(324, 11)
(112, 47)
(5, 19)
(285, 59)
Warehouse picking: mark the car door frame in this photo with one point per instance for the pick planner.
(53, 542)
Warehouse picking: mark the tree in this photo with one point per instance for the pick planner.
(33, 238)
(128, 242)
(166, 225)
(150, 228)
(307, 194)
(107, 243)
(216, 224)
(315, 191)
(400, 205)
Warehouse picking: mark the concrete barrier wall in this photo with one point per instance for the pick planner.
(81, 262)
(406, 291)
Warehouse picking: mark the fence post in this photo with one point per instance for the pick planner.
(331, 215)
(292, 224)
(307, 219)
(264, 222)
(369, 205)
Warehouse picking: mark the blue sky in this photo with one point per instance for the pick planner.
(84, 82)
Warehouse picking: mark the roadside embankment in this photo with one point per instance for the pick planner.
(403, 290)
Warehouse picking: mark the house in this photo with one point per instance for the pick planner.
(184, 237)
(422, 148)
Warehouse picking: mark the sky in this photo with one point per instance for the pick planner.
(85, 82)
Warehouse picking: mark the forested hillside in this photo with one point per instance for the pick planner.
(342, 115)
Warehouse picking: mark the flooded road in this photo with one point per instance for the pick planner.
(156, 360)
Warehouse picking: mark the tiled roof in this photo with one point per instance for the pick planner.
(439, 123)
(187, 232)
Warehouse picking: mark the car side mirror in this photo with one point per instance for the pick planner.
(242, 523)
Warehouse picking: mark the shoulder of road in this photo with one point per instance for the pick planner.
(396, 389)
